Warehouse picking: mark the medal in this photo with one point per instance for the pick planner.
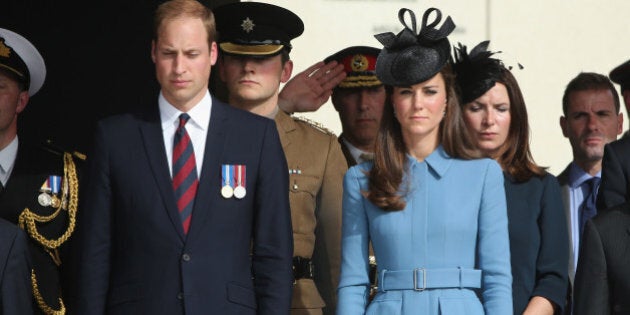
(226, 188)
(44, 199)
(49, 190)
(227, 192)
(55, 201)
(239, 191)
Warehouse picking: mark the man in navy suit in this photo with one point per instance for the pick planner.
(231, 251)
(591, 119)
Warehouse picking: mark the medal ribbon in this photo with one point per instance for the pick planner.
(225, 172)
(55, 183)
(239, 177)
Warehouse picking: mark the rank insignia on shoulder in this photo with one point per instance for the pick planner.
(55, 149)
(315, 124)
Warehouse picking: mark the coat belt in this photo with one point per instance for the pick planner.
(421, 279)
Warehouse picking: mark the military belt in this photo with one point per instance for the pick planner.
(302, 268)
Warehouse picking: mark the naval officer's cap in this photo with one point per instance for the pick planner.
(21, 60)
(256, 29)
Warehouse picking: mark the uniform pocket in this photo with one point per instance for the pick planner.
(125, 293)
(241, 295)
(458, 306)
(303, 183)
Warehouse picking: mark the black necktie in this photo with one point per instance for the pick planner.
(588, 208)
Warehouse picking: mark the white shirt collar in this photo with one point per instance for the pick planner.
(354, 151)
(7, 160)
(199, 114)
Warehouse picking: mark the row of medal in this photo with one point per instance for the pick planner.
(49, 192)
(233, 181)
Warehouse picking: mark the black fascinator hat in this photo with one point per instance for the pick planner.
(477, 71)
(410, 57)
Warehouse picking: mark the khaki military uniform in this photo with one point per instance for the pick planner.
(316, 170)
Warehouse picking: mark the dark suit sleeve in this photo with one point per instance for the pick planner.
(591, 291)
(93, 235)
(613, 189)
(17, 295)
(273, 238)
(551, 264)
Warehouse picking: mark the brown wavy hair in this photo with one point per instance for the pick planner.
(515, 156)
(386, 189)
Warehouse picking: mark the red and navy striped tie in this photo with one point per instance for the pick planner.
(185, 180)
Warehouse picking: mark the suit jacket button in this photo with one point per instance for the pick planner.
(186, 257)
(180, 296)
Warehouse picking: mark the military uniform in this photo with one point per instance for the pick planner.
(316, 170)
(40, 192)
(47, 213)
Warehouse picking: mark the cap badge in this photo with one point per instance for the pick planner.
(248, 25)
(4, 50)
(359, 63)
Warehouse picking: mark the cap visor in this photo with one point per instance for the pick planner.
(250, 50)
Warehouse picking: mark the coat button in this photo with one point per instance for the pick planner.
(180, 296)
(186, 257)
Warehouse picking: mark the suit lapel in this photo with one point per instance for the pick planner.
(563, 180)
(346, 152)
(153, 141)
(211, 168)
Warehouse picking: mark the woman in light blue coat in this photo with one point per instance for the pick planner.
(435, 215)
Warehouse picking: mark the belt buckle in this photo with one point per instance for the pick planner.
(415, 279)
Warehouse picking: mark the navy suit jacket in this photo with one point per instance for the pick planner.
(16, 296)
(135, 258)
(602, 281)
(539, 248)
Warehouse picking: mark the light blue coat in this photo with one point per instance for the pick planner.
(455, 217)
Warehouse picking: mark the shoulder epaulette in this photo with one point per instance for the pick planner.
(55, 149)
(315, 124)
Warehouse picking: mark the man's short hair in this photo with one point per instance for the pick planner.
(589, 81)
